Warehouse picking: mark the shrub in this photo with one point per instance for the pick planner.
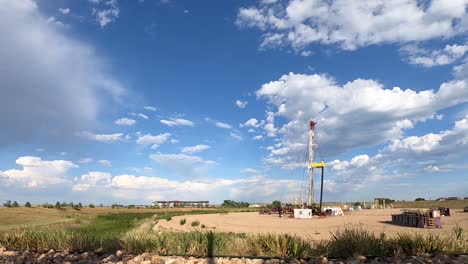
(203, 226)
(91, 205)
(15, 204)
(195, 223)
(58, 206)
(183, 221)
(169, 218)
(27, 204)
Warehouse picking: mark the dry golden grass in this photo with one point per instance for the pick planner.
(12, 218)
(454, 204)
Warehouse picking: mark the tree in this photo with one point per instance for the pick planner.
(58, 206)
(91, 205)
(276, 204)
(7, 203)
(101, 205)
(229, 204)
(419, 199)
(80, 205)
(234, 204)
(27, 204)
(15, 204)
(244, 204)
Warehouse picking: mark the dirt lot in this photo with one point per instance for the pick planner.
(373, 220)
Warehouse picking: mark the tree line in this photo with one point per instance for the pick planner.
(58, 205)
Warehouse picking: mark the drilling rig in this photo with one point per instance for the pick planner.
(310, 169)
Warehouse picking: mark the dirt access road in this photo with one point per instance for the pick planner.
(316, 229)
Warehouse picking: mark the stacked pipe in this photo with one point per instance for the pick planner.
(417, 218)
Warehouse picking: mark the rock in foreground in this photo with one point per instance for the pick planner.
(9, 256)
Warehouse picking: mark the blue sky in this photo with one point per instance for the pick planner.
(134, 101)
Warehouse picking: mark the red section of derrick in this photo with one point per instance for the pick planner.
(312, 124)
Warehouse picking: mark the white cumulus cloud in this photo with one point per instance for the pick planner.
(437, 57)
(105, 163)
(241, 104)
(177, 122)
(347, 115)
(93, 179)
(194, 149)
(354, 24)
(252, 122)
(36, 172)
(150, 108)
(150, 188)
(154, 140)
(105, 138)
(64, 11)
(125, 121)
(223, 125)
(107, 13)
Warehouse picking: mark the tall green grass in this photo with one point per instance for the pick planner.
(344, 243)
(100, 233)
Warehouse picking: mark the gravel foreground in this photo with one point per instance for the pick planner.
(148, 258)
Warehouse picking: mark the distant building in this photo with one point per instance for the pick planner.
(441, 199)
(189, 204)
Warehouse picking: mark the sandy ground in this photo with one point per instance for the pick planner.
(372, 220)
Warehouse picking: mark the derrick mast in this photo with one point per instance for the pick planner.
(310, 192)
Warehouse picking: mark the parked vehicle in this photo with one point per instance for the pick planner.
(444, 211)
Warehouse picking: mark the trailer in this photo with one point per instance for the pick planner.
(303, 213)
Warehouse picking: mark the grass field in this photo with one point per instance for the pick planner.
(11, 218)
(453, 204)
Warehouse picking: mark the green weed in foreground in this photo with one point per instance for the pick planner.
(346, 242)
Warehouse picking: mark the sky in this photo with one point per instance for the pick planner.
(113, 101)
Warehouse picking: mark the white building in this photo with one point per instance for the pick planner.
(303, 213)
(171, 204)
